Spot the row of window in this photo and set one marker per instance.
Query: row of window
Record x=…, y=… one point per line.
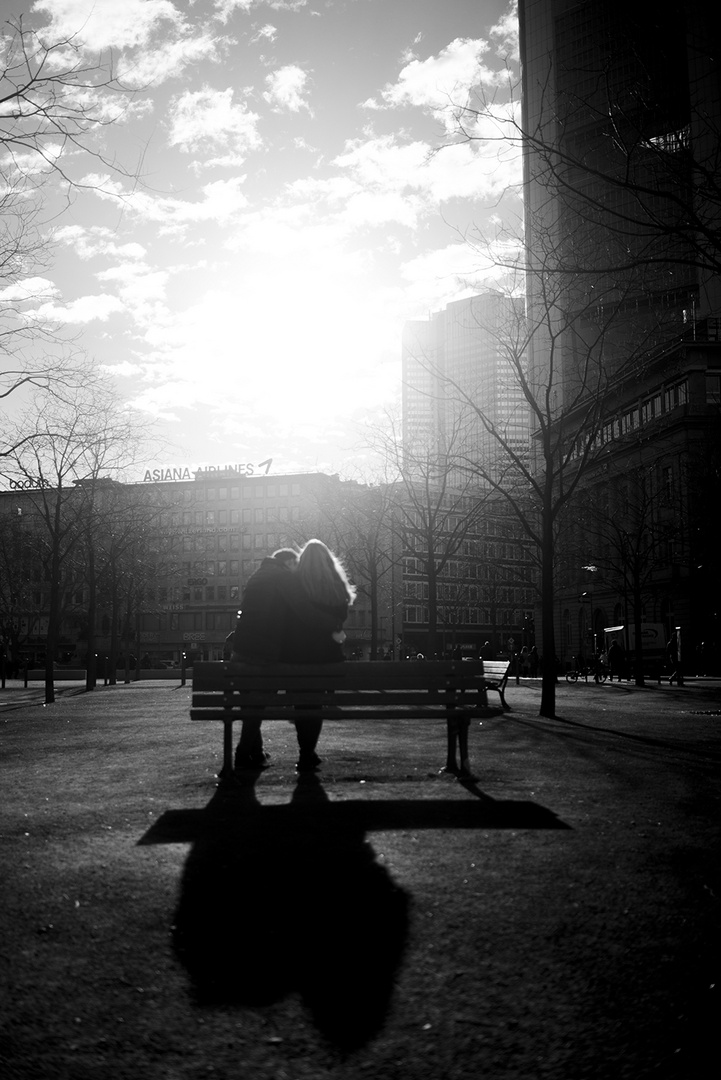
x=220, y=543
x=233, y=493
x=459, y=592
x=473, y=571
x=644, y=412
x=189, y=621
x=467, y=616
x=258, y=515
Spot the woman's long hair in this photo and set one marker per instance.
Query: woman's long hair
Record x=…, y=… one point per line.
x=323, y=576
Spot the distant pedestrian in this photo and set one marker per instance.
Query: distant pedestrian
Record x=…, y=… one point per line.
x=674, y=661
x=534, y=661
x=615, y=660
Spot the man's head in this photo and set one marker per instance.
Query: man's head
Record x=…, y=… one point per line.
x=287, y=558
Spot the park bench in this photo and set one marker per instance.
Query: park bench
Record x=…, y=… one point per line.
x=455, y=692
x=495, y=675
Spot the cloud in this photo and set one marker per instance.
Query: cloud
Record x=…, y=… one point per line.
x=105, y=24
x=481, y=168
x=221, y=202
x=285, y=89
x=264, y=33
x=225, y=8
x=33, y=288
x=152, y=37
x=442, y=80
x=141, y=290
x=96, y=241
x=504, y=34
x=85, y=309
x=152, y=66
x=211, y=118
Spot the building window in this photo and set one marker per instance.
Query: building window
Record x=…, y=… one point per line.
x=675, y=396
x=713, y=387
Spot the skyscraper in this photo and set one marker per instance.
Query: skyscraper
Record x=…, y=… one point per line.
x=460, y=382
x=622, y=125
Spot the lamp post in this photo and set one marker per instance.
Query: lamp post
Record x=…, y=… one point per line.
x=588, y=596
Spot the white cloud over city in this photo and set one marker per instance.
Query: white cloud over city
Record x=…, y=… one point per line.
x=301, y=191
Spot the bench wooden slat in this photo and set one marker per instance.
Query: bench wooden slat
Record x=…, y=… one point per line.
x=373, y=698
x=329, y=712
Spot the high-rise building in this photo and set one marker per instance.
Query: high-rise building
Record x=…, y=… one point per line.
x=459, y=382
x=622, y=134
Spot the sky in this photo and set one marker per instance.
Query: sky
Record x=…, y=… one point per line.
x=249, y=286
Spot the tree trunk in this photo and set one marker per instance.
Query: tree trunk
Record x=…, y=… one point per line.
x=90, y=660
x=548, y=681
x=638, y=626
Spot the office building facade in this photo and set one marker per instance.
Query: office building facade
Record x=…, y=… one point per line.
x=621, y=120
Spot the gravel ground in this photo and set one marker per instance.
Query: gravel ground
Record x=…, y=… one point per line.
x=558, y=918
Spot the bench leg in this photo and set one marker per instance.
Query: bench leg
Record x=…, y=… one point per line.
x=457, y=738
x=227, y=771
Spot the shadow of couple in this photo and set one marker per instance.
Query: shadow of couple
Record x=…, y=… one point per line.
x=288, y=899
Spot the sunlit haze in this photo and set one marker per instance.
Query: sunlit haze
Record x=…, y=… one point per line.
x=249, y=290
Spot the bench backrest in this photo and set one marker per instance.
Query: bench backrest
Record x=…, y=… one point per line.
x=374, y=675
x=496, y=669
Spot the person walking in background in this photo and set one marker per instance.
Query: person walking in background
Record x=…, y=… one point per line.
x=674, y=660
x=318, y=603
x=258, y=638
x=615, y=660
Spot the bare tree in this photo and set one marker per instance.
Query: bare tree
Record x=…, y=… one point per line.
x=358, y=520
x=62, y=450
x=555, y=357
x=434, y=508
x=54, y=106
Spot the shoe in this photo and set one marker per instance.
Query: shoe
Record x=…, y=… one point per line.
x=252, y=761
x=308, y=762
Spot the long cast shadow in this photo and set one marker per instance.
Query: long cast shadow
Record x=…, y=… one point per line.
x=274, y=903
x=290, y=898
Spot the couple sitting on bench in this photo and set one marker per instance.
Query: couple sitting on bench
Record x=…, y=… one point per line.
x=293, y=610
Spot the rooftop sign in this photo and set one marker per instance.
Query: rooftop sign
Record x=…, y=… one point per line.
x=185, y=472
